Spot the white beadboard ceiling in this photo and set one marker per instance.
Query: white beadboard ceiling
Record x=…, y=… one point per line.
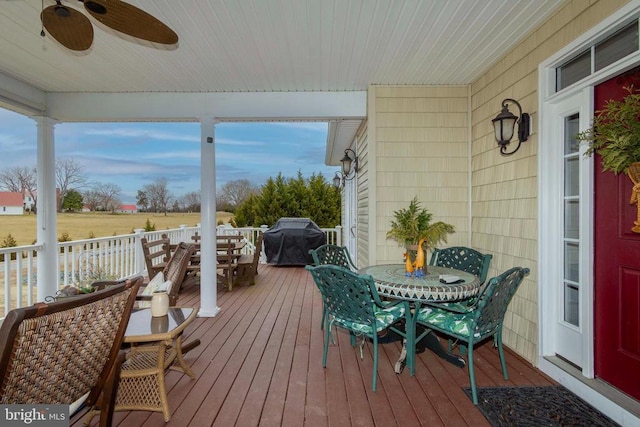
x=276, y=45
x=257, y=46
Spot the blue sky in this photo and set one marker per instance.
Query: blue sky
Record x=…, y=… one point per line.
x=132, y=155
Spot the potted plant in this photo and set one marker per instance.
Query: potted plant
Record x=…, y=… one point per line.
x=413, y=225
x=615, y=135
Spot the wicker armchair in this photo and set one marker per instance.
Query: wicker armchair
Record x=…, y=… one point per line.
x=352, y=303
x=333, y=255
x=56, y=353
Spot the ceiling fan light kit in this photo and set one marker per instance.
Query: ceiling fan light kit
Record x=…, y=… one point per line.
x=74, y=30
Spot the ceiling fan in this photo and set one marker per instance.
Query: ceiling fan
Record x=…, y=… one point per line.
x=74, y=31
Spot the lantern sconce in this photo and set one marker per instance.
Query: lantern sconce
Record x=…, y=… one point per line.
x=504, y=125
x=347, y=161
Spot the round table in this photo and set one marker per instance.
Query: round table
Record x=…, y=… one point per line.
x=391, y=281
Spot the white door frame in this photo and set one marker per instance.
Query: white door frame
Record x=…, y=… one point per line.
x=550, y=211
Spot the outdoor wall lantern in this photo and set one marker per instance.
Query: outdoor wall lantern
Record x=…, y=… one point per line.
x=347, y=161
x=504, y=125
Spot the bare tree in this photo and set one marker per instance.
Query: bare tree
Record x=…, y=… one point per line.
x=158, y=195
x=20, y=179
x=191, y=202
x=104, y=196
x=69, y=174
x=234, y=193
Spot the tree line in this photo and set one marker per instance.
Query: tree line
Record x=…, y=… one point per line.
x=279, y=197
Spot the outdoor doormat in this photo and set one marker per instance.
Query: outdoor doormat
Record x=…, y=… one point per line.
x=537, y=406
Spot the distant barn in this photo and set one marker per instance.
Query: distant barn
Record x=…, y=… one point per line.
x=11, y=203
x=127, y=209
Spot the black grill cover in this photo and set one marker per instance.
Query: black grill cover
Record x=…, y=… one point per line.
x=289, y=240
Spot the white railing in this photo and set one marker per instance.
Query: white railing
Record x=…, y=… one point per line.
x=85, y=261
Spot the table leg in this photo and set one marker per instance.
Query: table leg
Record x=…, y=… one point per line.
x=183, y=367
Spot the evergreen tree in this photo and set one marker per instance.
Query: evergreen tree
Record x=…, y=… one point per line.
x=314, y=198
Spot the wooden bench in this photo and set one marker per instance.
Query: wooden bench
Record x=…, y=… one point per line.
x=247, y=265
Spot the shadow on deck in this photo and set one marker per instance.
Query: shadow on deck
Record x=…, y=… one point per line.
x=260, y=364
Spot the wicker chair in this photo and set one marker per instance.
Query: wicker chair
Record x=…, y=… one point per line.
x=56, y=353
x=475, y=326
x=333, y=255
x=352, y=303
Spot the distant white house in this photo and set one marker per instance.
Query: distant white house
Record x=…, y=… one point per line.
x=28, y=202
x=127, y=209
x=11, y=203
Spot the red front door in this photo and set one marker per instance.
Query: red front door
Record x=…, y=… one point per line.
x=616, y=267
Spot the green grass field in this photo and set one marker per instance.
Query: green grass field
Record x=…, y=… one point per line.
x=96, y=224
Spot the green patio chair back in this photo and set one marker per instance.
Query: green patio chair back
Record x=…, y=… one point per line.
x=463, y=258
x=333, y=255
x=475, y=326
x=352, y=303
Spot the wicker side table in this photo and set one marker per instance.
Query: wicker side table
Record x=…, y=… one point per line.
x=156, y=345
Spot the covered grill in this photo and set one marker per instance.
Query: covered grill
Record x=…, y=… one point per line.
x=289, y=240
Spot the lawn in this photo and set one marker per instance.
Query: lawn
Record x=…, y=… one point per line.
x=86, y=225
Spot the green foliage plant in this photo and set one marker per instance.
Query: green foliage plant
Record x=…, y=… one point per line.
x=8, y=242
x=412, y=224
x=615, y=133
x=148, y=226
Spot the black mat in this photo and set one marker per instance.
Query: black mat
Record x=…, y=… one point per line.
x=537, y=406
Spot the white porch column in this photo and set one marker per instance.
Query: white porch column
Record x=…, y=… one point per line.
x=208, y=282
x=47, y=261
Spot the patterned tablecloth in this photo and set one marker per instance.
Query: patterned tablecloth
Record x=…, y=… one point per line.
x=392, y=281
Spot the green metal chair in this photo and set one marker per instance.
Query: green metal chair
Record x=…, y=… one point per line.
x=475, y=326
x=333, y=255
x=352, y=303
x=465, y=259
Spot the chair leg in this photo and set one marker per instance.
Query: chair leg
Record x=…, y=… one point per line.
x=503, y=362
x=472, y=376
x=327, y=337
x=324, y=316
x=375, y=361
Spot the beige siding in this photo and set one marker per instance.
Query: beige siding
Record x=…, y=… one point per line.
x=436, y=143
x=362, y=141
x=422, y=149
x=504, y=189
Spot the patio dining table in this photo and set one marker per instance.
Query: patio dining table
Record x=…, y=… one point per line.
x=393, y=282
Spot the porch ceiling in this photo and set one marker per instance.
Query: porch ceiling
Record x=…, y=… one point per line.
x=252, y=47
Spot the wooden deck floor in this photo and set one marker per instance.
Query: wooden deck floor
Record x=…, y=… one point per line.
x=260, y=364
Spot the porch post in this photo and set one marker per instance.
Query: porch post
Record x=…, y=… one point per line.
x=47, y=260
x=208, y=282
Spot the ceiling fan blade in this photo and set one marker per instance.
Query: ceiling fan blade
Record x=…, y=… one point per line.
x=68, y=26
x=130, y=20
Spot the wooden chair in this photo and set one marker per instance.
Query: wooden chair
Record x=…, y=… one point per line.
x=333, y=255
x=175, y=271
x=156, y=254
x=353, y=304
x=247, y=265
x=75, y=345
x=477, y=325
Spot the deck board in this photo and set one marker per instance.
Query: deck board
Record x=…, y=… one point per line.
x=260, y=363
